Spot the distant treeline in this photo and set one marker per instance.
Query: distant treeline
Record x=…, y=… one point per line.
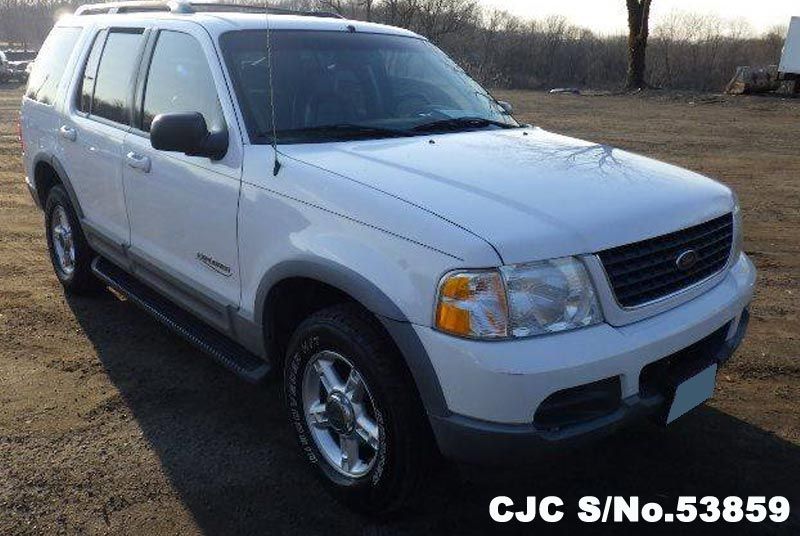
x=686, y=51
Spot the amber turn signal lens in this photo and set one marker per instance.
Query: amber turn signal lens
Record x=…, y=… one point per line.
x=473, y=304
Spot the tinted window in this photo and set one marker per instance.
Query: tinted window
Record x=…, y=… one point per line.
x=180, y=81
x=51, y=63
x=373, y=84
x=90, y=73
x=112, y=89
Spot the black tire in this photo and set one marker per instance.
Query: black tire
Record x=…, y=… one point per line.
x=80, y=280
x=406, y=450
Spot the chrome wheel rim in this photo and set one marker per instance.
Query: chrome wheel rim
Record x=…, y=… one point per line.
x=341, y=414
x=63, y=244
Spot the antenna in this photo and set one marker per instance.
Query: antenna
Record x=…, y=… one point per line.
x=277, y=167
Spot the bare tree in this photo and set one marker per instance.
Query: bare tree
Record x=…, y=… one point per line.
x=638, y=32
x=368, y=5
x=685, y=51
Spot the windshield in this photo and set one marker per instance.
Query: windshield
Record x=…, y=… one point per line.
x=332, y=86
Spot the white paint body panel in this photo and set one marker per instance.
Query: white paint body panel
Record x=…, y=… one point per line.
x=790, y=59
x=96, y=156
x=532, y=194
x=308, y=213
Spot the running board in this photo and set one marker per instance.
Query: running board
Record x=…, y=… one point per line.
x=221, y=348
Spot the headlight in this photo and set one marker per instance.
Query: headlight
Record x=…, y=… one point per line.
x=518, y=301
x=550, y=296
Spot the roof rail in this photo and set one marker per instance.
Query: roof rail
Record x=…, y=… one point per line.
x=188, y=7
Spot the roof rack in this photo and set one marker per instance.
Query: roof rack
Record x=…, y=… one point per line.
x=189, y=7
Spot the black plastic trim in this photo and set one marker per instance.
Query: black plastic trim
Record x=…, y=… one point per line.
x=419, y=363
x=470, y=440
x=221, y=348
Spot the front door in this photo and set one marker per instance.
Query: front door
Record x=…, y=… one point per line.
x=183, y=209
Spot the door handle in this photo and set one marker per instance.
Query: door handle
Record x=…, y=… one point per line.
x=68, y=133
x=137, y=161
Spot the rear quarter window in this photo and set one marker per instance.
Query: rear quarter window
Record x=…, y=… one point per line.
x=48, y=70
x=86, y=90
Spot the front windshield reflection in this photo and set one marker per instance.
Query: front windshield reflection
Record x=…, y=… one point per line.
x=341, y=85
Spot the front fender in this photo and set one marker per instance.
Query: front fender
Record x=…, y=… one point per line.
x=373, y=298
x=331, y=273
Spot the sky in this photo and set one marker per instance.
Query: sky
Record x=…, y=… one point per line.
x=609, y=16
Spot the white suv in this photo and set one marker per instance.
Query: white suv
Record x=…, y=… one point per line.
x=340, y=201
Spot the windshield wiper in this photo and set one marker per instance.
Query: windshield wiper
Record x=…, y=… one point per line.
x=460, y=123
x=343, y=130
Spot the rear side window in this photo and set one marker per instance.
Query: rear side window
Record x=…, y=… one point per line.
x=90, y=73
x=113, y=83
x=180, y=80
x=51, y=63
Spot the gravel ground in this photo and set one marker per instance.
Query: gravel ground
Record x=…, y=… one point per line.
x=111, y=425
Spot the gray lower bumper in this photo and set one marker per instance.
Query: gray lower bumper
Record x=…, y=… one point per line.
x=473, y=441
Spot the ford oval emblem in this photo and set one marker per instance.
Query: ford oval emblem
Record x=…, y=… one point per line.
x=687, y=260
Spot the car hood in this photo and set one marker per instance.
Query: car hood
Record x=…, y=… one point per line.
x=530, y=193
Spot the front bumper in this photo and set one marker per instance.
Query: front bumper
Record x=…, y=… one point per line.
x=492, y=390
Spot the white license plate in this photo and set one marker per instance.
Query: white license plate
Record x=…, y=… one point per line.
x=693, y=392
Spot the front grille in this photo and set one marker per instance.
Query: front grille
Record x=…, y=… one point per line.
x=645, y=271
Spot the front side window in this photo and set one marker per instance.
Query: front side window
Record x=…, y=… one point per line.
x=330, y=86
x=51, y=63
x=180, y=80
x=115, y=75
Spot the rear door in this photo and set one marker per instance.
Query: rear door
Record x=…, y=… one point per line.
x=182, y=208
x=94, y=129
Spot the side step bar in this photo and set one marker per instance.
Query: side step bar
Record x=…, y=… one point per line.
x=222, y=349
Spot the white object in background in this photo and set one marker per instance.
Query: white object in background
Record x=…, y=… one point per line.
x=790, y=60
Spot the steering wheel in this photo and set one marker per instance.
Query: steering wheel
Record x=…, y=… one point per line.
x=412, y=104
x=431, y=110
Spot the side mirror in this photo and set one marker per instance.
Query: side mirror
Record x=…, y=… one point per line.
x=187, y=133
x=507, y=107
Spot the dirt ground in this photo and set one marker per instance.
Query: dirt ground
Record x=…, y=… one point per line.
x=110, y=424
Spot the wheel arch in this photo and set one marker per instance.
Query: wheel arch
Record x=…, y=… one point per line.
x=48, y=172
x=337, y=276
x=331, y=283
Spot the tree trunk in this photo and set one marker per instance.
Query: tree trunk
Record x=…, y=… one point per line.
x=638, y=32
x=368, y=9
